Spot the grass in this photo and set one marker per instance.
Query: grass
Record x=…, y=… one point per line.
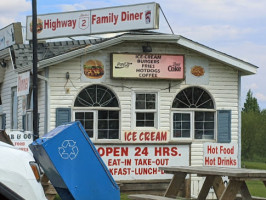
x=123, y=197
x=256, y=188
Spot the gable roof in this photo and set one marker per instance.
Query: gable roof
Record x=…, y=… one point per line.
x=56, y=52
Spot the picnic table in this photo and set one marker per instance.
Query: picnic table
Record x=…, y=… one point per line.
x=237, y=182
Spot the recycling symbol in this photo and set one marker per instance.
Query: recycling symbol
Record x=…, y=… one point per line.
x=68, y=150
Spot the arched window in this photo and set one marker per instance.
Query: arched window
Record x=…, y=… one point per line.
x=193, y=112
x=97, y=108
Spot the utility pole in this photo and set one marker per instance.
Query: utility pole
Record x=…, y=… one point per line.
x=35, y=71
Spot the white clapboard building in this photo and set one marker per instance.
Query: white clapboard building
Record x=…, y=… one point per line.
x=145, y=99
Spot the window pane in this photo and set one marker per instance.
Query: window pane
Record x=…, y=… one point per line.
x=88, y=115
x=177, y=133
x=199, y=116
x=149, y=124
x=177, y=125
x=182, y=125
x=186, y=125
x=198, y=134
x=209, y=134
x=140, y=97
x=149, y=116
x=102, y=124
x=103, y=114
x=102, y=134
x=186, y=133
x=79, y=115
x=113, y=124
x=193, y=97
x=209, y=125
x=140, y=104
x=177, y=116
x=140, y=116
x=88, y=124
x=90, y=133
x=150, y=97
x=113, y=134
x=198, y=125
x=82, y=123
x=114, y=114
x=140, y=123
x=209, y=116
x=150, y=105
x=185, y=117
x=87, y=97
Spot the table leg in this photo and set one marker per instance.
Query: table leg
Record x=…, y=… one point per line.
x=244, y=192
x=206, y=187
x=175, y=185
x=231, y=190
x=218, y=186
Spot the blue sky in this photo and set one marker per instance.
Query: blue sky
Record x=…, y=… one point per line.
x=237, y=28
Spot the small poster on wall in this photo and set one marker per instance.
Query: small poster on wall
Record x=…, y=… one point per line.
x=93, y=69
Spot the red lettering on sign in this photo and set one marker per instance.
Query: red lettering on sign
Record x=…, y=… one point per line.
x=166, y=151
x=113, y=151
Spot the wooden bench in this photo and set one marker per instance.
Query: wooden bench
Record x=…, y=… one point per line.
x=153, y=197
x=150, y=197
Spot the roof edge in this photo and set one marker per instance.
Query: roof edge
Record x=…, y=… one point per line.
x=245, y=67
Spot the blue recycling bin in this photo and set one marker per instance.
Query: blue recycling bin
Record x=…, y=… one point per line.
x=73, y=165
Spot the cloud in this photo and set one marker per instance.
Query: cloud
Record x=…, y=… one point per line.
x=12, y=11
x=13, y=6
x=260, y=96
x=72, y=7
x=213, y=32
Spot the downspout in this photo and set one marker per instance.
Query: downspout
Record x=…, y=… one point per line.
x=46, y=101
x=239, y=120
x=45, y=78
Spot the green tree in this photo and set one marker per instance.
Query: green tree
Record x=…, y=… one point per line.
x=251, y=104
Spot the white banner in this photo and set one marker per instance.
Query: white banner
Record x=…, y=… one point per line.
x=142, y=162
x=10, y=35
x=113, y=19
x=23, y=84
x=221, y=155
x=22, y=140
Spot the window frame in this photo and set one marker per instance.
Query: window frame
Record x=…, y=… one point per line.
x=193, y=109
x=95, y=110
x=135, y=111
x=192, y=125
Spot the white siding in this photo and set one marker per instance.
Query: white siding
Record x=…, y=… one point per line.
x=223, y=86
x=10, y=81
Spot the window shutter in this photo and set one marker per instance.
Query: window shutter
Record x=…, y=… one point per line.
x=3, y=121
x=224, y=126
x=63, y=115
x=24, y=122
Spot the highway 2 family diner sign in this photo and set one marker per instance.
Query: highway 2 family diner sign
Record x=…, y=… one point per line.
x=148, y=66
x=86, y=22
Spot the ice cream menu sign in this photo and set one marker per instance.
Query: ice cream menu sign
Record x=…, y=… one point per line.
x=148, y=66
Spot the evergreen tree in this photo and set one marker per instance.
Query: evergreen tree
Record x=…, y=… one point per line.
x=251, y=104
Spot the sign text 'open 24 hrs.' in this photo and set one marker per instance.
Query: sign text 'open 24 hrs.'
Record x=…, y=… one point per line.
x=113, y=19
x=148, y=66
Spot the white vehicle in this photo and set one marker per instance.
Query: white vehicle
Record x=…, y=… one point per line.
x=19, y=175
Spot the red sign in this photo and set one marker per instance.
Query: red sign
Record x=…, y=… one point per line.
x=140, y=162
